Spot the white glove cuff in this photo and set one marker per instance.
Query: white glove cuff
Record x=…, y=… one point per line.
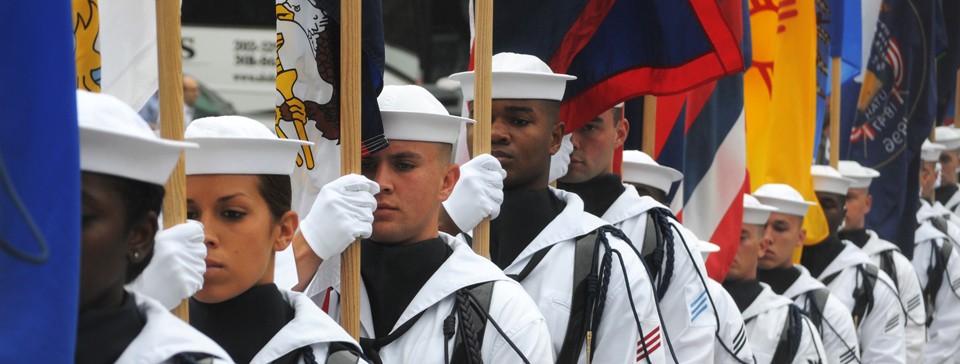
x=461, y=214
x=318, y=241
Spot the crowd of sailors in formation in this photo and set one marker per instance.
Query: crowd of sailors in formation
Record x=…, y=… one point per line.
x=594, y=270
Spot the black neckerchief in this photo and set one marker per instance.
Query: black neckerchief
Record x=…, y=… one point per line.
x=103, y=335
x=523, y=215
x=945, y=192
x=743, y=292
x=243, y=325
x=393, y=274
x=779, y=279
x=817, y=257
x=858, y=236
x=598, y=193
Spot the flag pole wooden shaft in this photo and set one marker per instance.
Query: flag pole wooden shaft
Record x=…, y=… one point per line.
x=835, y=112
x=483, y=54
x=649, y=125
x=170, y=72
x=350, y=80
x=956, y=103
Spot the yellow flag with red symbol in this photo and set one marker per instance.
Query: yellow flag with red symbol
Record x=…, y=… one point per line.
x=780, y=101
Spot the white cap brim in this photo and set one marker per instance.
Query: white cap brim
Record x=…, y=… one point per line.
x=124, y=155
x=830, y=184
x=517, y=85
x=243, y=156
x=659, y=177
x=422, y=127
x=789, y=207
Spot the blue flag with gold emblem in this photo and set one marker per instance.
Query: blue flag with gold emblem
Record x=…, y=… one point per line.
x=39, y=186
x=895, y=111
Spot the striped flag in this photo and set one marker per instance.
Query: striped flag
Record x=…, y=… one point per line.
x=702, y=134
x=710, y=132
x=39, y=186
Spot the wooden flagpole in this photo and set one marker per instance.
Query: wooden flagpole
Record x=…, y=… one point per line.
x=649, y=141
x=834, y=112
x=170, y=72
x=483, y=55
x=956, y=102
x=350, y=96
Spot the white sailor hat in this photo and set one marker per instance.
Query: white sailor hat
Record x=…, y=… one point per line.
x=638, y=167
x=238, y=145
x=518, y=76
x=860, y=175
x=115, y=140
x=783, y=197
x=930, y=152
x=706, y=248
x=412, y=113
x=754, y=212
x=826, y=179
x=948, y=137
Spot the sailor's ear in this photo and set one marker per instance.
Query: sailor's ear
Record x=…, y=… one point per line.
x=451, y=175
x=288, y=228
x=556, y=135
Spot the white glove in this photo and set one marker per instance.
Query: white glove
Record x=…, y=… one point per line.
x=342, y=212
x=478, y=193
x=176, y=270
x=560, y=162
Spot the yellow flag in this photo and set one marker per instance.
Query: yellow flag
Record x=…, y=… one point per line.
x=86, y=31
x=780, y=101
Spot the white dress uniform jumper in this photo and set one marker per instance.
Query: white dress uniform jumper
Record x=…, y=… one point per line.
x=731, y=345
x=778, y=331
x=828, y=314
x=686, y=304
x=165, y=336
x=887, y=256
x=424, y=341
x=937, y=263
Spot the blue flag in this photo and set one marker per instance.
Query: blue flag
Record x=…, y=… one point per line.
x=895, y=111
x=838, y=36
x=40, y=179
x=620, y=50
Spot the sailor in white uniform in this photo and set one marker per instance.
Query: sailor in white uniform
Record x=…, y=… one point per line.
x=426, y=296
x=785, y=234
x=937, y=263
x=238, y=187
x=536, y=235
x=680, y=276
x=731, y=343
x=850, y=275
x=123, y=168
x=884, y=254
x=949, y=159
x=778, y=330
x=930, y=208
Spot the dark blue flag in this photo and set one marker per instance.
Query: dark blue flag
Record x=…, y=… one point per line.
x=838, y=36
x=620, y=50
x=895, y=111
x=39, y=186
